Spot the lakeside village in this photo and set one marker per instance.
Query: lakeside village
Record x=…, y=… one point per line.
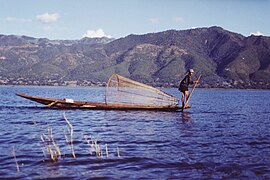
x=48, y=82
x=85, y=83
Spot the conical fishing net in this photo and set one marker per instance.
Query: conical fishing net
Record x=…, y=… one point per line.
x=121, y=90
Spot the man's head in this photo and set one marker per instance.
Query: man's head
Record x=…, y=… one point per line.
x=191, y=71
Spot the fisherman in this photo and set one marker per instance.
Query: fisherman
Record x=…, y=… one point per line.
x=183, y=87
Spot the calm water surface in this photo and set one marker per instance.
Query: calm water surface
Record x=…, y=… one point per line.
x=225, y=135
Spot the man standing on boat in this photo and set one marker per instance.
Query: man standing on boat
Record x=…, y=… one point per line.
x=183, y=87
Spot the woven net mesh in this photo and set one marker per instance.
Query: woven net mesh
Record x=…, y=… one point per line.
x=121, y=90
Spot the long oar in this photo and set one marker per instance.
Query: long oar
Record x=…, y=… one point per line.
x=192, y=91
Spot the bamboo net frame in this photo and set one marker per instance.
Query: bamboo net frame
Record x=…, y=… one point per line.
x=121, y=90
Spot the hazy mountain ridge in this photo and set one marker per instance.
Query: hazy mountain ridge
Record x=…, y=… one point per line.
x=225, y=59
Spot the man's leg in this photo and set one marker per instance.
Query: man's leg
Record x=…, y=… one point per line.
x=183, y=99
x=186, y=94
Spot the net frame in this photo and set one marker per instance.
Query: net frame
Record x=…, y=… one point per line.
x=124, y=91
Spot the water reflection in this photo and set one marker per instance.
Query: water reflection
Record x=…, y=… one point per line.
x=186, y=118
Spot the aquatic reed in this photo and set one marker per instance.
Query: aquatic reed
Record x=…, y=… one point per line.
x=49, y=143
x=93, y=146
x=16, y=162
x=53, y=149
x=58, y=153
x=118, y=152
x=107, y=152
x=88, y=142
x=71, y=135
x=46, y=141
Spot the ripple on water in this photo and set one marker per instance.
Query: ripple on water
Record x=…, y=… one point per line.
x=225, y=136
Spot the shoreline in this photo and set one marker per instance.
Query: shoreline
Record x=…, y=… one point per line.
x=78, y=86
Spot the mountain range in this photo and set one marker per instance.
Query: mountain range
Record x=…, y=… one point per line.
x=225, y=59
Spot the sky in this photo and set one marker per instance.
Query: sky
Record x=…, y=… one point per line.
x=75, y=19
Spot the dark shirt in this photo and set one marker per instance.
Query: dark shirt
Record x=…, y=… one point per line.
x=186, y=81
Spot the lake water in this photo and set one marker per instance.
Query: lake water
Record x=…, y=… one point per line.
x=226, y=134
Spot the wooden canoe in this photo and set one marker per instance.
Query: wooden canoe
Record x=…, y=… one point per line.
x=70, y=104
